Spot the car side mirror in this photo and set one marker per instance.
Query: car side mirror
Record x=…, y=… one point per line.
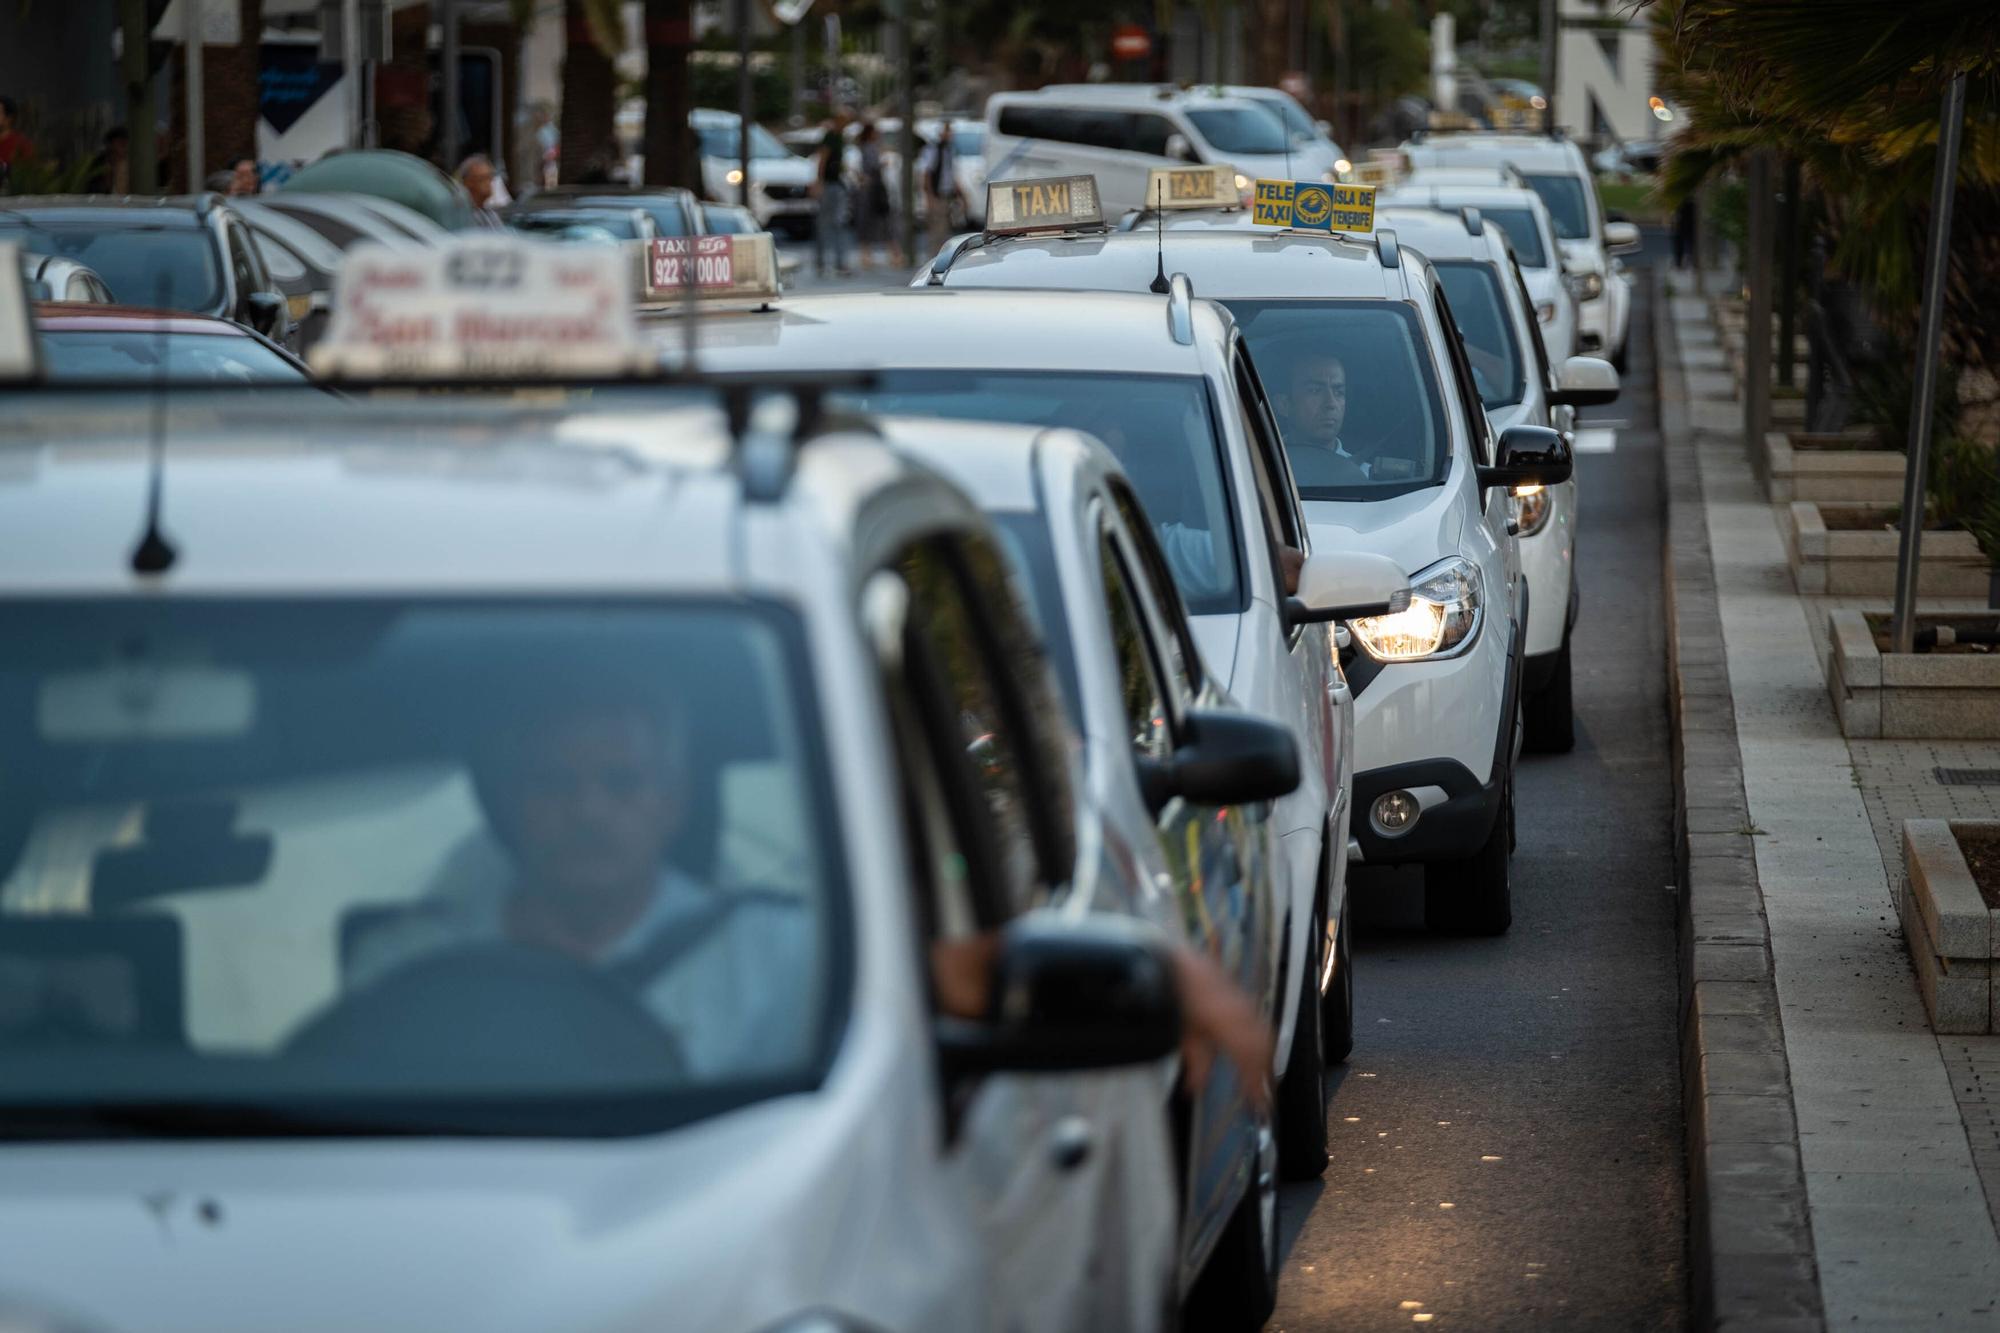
x=1179, y=149
x=1621, y=238
x=1584, y=381
x=1528, y=456
x=1347, y=585
x=1225, y=757
x=1090, y=993
x=267, y=313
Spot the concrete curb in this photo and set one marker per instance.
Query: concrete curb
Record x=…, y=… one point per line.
x=1750, y=1247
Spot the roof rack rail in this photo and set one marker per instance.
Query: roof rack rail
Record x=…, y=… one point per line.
x=949, y=256
x=1180, y=309
x=1387, y=248
x=1474, y=223
x=767, y=443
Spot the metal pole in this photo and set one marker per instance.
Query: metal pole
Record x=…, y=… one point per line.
x=799, y=72
x=1757, y=331
x=1929, y=332
x=1788, y=272
x=906, y=138
x=745, y=110
x=1550, y=35
x=197, y=148
x=350, y=59
x=448, y=16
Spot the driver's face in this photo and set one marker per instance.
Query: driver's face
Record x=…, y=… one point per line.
x=1319, y=400
x=593, y=807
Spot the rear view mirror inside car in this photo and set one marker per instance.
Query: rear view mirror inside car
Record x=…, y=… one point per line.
x=145, y=701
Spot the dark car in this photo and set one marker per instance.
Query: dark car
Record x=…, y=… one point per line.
x=108, y=343
x=675, y=212
x=190, y=253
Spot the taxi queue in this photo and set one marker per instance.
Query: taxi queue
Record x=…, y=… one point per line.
x=758, y=813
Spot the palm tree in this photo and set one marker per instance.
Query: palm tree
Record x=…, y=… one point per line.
x=589, y=87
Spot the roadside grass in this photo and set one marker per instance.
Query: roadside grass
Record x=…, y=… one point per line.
x=1635, y=199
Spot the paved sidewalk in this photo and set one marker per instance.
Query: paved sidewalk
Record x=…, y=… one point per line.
x=1893, y=1124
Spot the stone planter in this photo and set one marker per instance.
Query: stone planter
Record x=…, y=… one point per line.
x=1953, y=937
x=1841, y=561
x=1925, y=696
x=1850, y=467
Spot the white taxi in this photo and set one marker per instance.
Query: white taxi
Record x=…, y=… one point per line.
x=1164, y=382
x=513, y=867
x=1406, y=466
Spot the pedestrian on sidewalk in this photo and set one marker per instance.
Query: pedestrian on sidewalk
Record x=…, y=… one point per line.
x=940, y=185
x=1686, y=246
x=830, y=188
x=873, y=216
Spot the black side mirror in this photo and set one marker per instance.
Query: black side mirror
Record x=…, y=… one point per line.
x=267, y=314
x=1227, y=757
x=1095, y=993
x=1528, y=456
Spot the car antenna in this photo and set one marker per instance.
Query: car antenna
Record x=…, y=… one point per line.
x=691, y=305
x=1160, y=284
x=155, y=554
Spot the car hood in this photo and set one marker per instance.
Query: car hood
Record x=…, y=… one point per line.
x=1581, y=256
x=714, y=1227
x=1415, y=530
x=1215, y=639
x=785, y=170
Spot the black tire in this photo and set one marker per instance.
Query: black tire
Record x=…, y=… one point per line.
x=1551, y=720
x=1475, y=896
x=1238, y=1288
x=1623, y=359
x=1302, y=1092
x=1336, y=1022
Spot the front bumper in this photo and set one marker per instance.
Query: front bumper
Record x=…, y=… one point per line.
x=1452, y=827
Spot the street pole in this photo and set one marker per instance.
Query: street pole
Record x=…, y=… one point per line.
x=798, y=72
x=351, y=76
x=197, y=149
x=906, y=138
x=1757, y=333
x=135, y=69
x=448, y=16
x=744, y=107
x=1788, y=272
x=1930, y=331
x=1549, y=38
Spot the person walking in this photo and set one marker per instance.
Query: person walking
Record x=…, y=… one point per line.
x=941, y=200
x=873, y=215
x=244, y=178
x=830, y=188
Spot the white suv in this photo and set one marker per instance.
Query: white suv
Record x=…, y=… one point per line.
x=1408, y=468
x=1556, y=170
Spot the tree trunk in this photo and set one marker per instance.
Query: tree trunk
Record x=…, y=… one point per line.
x=229, y=76
x=135, y=69
x=669, y=95
x=589, y=101
x=1270, y=40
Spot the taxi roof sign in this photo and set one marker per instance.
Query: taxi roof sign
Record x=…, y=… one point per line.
x=1052, y=203
x=1312, y=206
x=483, y=307
x=710, y=268
x=19, y=349
x=1192, y=187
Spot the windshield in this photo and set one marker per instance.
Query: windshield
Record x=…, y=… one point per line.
x=1297, y=123
x=1473, y=289
x=408, y=867
x=608, y=225
x=1241, y=129
x=1385, y=437
x=139, y=354
x=968, y=140
x=167, y=266
x=1025, y=534
x=1159, y=426
x=1519, y=224
x=1567, y=207
x=718, y=139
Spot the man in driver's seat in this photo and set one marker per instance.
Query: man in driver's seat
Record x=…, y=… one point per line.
x=584, y=801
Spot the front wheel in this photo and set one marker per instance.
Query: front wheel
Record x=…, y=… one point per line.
x=1475, y=896
x=1238, y=1288
x=1551, y=713
x=1302, y=1093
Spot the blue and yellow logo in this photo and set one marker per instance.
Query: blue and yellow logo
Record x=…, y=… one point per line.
x=1312, y=206
x=1307, y=206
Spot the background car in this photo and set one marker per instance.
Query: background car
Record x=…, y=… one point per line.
x=53, y=278
x=781, y=181
x=302, y=261
x=673, y=211
x=346, y=219
x=106, y=344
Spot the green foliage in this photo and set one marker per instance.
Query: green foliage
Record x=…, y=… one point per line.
x=41, y=175
x=1961, y=488
x=770, y=87
x=1886, y=394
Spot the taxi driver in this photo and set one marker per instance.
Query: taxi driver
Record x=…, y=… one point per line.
x=1312, y=410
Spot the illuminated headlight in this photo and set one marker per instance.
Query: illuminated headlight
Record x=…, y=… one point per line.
x=1546, y=312
x=735, y=176
x=1532, y=508
x=1587, y=286
x=1343, y=169
x=1441, y=621
x=1243, y=182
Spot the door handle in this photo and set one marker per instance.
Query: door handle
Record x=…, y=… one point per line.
x=1070, y=1143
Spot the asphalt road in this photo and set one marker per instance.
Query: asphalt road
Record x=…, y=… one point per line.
x=1506, y=1138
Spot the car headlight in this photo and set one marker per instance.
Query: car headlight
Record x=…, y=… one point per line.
x=1546, y=312
x=1343, y=168
x=1587, y=286
x=1442, y=618
x=735, y=176
x=1243, y=182
x=1532, y=508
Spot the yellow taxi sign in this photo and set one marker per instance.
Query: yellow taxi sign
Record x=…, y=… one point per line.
x=1312, y=206
x=1053, y=203
x=736, y=267
x=1192, y=187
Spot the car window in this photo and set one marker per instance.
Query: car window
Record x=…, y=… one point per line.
x=1162, y=428
x=1155, y=583
x=1024, y=534
x=171, y=265
x=1540, y=348
x=239, y=264
x=1274, y=477
x=445, y=867
x=1465, y=381
x=1241, y=129
x=1355, y=394
x=1091, y=127
x=1149, y=133
x=1568, y=207
x=1488, y=330
x=1141, y=693
x=183, y=358
x=1523, y=231
x=284, y=266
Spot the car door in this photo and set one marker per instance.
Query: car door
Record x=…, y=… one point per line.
x=1033, y=1157
x=1217, y=858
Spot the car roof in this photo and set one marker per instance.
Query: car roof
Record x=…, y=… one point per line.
x=360, y=498
x=1254, y=262
x=1524, y=150
x=77, y=317
x=1141, y=95
x=171, y=210
x=1425, y=192
x=939, y=328
x=615, y=196
x=1440, y=235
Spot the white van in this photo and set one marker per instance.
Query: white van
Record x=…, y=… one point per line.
x=1120, y=133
